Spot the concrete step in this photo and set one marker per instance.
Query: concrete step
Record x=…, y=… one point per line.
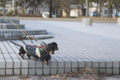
x=10, y=34
x=5, y=20
x=63, y=61
x=11, y=26
x=43, y=36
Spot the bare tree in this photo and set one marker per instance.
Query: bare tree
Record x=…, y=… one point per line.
x=57, y=7
x=81, y=5
x=34, y=5
x=99, y=5
x=117, y=6
x=21, y=3
x=3, y=4
x=67, y=6
x=101, y=2
x=110, y=3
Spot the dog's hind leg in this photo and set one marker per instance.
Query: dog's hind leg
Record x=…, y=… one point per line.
x=22, y=56
x=28, y=56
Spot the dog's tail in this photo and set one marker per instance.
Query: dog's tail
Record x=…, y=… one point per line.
x=15, y=44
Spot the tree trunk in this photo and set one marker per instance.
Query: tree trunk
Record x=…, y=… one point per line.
x=97, y=9
x=50, y=10
x=34, y=11
x=78, y=12
x=18, y=9
x=87, y=8
x=100, y=10
x=4, y=6
x=60, y=12
x=82, y=10
x=24, y=8
x=4, y=9
x=69, y=12
x=78, y=8
x=117, y=10
x=108, y=9
x=56, y=12
x=111, y=12
x=108, y=12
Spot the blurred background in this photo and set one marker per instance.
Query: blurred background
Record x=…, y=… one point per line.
x=61, y=8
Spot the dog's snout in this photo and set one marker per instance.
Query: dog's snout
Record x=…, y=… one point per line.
x=56, y=48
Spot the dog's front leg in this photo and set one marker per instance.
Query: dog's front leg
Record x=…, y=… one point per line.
x=28, y=56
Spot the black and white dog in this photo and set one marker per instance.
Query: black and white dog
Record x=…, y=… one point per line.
x=42, y=52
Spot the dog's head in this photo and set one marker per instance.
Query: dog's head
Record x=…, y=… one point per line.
x=51, y=47
x=54, y=45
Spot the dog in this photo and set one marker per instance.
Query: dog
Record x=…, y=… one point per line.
x=43, y=52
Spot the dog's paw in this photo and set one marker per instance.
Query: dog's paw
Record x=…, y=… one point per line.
x=22, y=57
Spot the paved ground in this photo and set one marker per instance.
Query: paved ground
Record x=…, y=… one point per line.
x=102, y=38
